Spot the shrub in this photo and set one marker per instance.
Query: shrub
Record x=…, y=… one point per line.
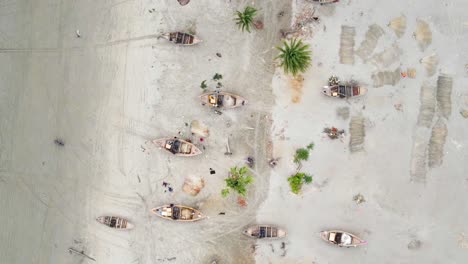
x=238, y=181
x=296, y=181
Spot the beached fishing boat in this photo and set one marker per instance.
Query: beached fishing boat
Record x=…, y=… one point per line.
x=222, y=100
x=181, y=38
x=178, y=146
x=115, y=222
x=180, y=213
x=342, y=238
x=344, y=91
x=264, y=231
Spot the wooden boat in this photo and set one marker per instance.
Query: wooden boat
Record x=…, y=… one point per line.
x=342, y=238
x=180, y=213
x=178, y=146
x=344, y=91
x=264, y=231
x=181, y=38
x=222, y=100
x=115, y=222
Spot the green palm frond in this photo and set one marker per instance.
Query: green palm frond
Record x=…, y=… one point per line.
x=295, y=57
x=245, y=19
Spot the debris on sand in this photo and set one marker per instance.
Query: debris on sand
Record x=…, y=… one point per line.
x=387, y=57
x=183, y=2
x=437, y=143
x=199, y=129
x=423, y=34
x=250, y=162
x=386, y=77
x=357, y=132
x=273, y=162
x=302, y=26
x=398, y=106
x=427, y=108
x=414, y=244
x=193, y=185
x=59, y=142
x=347, y=45
x=444, y=95
x=430, y=63
x=258, y=24
x=464, y=113
x=333, y=80
x=359, y=198
x=241, y=201
x=333, y=132
x=343, y=112
x=369, y=43
x=398, y=25
x=411, y=73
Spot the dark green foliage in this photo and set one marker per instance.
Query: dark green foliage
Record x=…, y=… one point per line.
x=245, y=19
x=296, y=181
x=301, y=154
x=294, y=57
x=203, y=85
x=217, y=77
x=238, y=181
x=310, y=146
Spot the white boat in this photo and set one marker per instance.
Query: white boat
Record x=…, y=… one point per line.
x=342, y=238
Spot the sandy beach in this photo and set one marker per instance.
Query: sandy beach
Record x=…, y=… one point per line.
x=95, y=75
x=415, y=197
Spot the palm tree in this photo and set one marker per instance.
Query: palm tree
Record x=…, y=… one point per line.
x=295, y=56
x=238, y=181
x=245, y=19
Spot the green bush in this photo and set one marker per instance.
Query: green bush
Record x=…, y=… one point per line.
x=296, y=181
x=301, y=154
x=238, y=181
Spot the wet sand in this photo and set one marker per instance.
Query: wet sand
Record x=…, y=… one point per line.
x=106, y=94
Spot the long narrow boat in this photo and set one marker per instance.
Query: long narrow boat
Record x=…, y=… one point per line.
x=342, y=238
x=222, y=100
x=115, y=222
x=178, y=146
x=180, y=213
x=181, y=38
x=264, y=231
x=344, y=91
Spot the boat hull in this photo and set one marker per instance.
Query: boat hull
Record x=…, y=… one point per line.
x=195, y=40
x=163, y=143
x=224, y=103
x=330, y=91
x=269, y=232
x=184, y=213
x=355, y=240
x=115, y=222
